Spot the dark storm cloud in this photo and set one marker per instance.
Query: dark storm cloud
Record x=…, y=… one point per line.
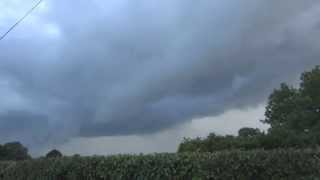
x=135, y=67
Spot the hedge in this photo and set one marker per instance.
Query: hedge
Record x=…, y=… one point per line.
x=246, y=165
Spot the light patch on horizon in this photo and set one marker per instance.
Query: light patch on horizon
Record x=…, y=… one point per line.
x=231, y=121
x=168, y=140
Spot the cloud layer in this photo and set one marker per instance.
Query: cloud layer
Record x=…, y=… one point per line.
x=120, y=67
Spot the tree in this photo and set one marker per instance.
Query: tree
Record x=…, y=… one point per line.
x=14, y=151
x=191, y=145
x=310, y=90
x=295, y=112
x=280, y=104
x=217, y=143
x=54, y=154
x=249, y=132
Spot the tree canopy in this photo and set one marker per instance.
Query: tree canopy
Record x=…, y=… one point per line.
x=296, y=110
x=54, y=154
x=249, y=132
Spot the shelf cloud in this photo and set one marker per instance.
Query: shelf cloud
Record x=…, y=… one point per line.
x=120, y=67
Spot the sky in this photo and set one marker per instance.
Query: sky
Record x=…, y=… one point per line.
x=121, y=76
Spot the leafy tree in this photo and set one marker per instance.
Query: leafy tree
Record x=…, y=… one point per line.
x=296, y=110
x=14, y=151
x=279, y=106
x=54, y=154
x=217, y=143
x=191, y=145
x=310, y=85
x=310, y=90
x=249, y=132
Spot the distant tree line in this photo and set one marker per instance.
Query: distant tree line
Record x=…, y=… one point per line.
x=15, y=151
x=292, y=113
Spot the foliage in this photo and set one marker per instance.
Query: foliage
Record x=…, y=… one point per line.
x=13, y=151
x=259, y=164
x=214, y=143
x=249, y=132
x=275, y=140
x=296, y=110
x=54, y=154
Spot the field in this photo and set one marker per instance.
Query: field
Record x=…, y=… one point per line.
x=246, y=165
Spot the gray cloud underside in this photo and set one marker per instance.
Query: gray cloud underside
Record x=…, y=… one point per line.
x=136, y=67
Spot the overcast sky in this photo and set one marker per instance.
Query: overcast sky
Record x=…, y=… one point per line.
x=123, y=76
